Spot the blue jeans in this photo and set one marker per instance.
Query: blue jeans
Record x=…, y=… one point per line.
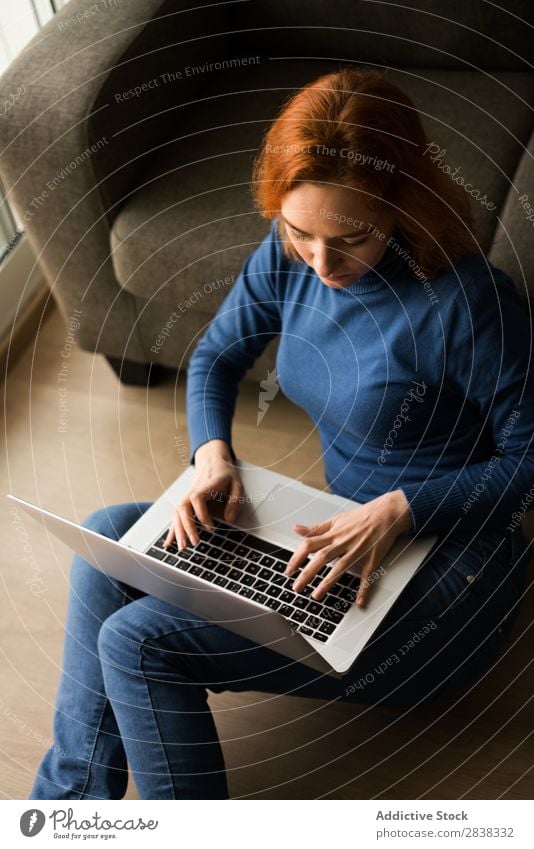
x=136, y=670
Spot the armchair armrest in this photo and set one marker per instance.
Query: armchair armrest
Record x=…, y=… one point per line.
x=50, y=154
x=60, y=73
x=511, y=249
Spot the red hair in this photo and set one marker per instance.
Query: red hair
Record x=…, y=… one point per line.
x=373, y=121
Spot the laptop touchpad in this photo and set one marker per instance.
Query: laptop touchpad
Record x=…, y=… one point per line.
x=283, y=507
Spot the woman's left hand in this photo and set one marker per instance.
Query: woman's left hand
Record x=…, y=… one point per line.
x=361, y=537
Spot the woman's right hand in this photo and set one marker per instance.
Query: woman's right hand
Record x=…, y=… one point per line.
x=216, y=477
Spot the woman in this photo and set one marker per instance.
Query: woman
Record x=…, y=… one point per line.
x=409, y=352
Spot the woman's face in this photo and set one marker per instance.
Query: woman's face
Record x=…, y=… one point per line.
x=334, y=231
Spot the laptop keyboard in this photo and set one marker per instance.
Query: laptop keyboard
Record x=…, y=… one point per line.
x=254, y=568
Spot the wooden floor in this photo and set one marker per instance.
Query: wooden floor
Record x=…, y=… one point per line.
x=121, y=444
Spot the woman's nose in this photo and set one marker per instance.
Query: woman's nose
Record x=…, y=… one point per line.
x=326, y=260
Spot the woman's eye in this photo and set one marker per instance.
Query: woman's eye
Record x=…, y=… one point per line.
x=302, y=237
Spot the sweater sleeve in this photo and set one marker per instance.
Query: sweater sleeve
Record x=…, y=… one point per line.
x=488, y=359
x=244, y=324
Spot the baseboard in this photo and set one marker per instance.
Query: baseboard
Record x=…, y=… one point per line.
x=18, y=338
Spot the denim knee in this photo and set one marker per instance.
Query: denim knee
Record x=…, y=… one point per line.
x=141, y=626
x=114, y=520
x=119, y=644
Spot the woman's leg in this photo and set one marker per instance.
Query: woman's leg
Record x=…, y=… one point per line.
x=158, y=662
x=449, y=625
x=87, y=760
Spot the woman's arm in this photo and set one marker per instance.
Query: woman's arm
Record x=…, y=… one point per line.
x=215, y=449
x=489, y=360
x=216, y=475
x=246, y=321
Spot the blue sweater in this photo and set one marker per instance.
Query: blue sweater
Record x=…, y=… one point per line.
x=412, y=385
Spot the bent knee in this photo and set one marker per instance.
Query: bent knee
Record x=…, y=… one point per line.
x=117, y=640
x=139, y=625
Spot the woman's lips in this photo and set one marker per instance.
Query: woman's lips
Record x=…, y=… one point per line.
x=338, y=279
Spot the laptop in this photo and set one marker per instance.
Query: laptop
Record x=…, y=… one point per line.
x=234, y=576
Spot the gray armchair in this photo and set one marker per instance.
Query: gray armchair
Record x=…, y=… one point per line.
x=129, y=155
